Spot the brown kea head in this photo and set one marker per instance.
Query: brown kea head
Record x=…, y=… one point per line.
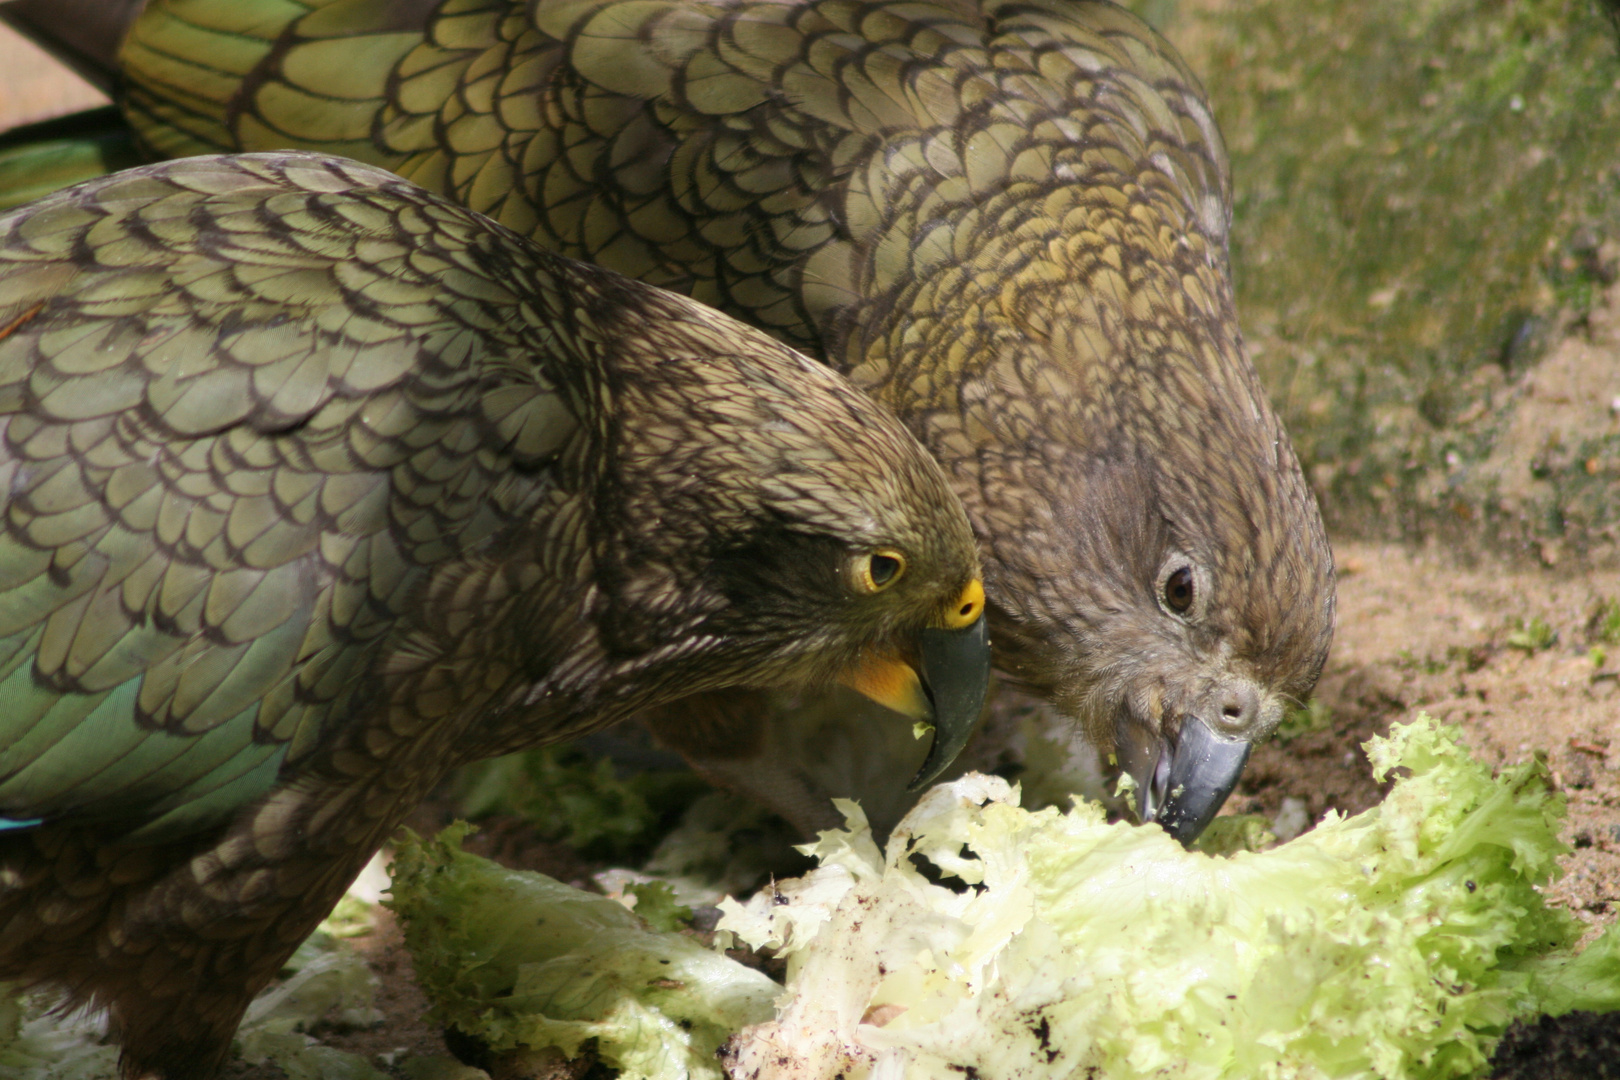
x=1175, y=595
x=1155, y=561
x=1040, y=288
x=759, y=522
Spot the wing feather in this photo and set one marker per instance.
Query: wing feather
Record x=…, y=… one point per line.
x=768, y=158
x=250, y=424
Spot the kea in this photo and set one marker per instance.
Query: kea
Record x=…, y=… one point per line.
x=1005, y=220
x=318, y=486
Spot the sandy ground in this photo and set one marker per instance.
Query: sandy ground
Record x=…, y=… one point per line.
x=1418, y=630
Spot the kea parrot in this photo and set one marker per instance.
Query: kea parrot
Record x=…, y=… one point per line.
x=1005, y=220
x=318, y=485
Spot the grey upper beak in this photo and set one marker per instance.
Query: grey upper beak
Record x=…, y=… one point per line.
x=1186, y=789
x=955, y=675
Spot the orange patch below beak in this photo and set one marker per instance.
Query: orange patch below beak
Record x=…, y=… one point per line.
x=946, y=684
x=892, y=683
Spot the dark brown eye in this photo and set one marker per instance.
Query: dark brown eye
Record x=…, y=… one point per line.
x=880, y=569
x=1178, y=590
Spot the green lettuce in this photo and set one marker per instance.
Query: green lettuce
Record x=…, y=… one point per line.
x=517, y=958
x=997, y=942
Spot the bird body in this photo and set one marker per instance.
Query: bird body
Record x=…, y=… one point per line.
x=1005, y=220
x=318, y=486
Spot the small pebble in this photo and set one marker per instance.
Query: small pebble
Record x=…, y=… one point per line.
x=1293, y=818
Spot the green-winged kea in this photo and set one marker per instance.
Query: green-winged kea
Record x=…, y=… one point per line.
x=317, y=485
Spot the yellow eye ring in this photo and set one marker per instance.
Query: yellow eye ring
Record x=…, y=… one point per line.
x=879, y=569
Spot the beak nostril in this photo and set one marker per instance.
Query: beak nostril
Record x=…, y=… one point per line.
x=1239, y=705
x=968, y=608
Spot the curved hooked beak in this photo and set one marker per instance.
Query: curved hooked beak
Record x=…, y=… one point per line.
x=1182, y=788
x=946, y=685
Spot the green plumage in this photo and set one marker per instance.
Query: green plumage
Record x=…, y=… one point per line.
x=774, y=160
x=318, y=486
x=38, y=159
x=1006, y=221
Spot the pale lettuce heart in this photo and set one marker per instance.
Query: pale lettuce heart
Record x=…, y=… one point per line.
x=1396, y=943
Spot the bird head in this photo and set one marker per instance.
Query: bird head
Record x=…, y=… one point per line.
x=761, y=523
x=1155, y=562
x=1168, y=582
x=1204, y=614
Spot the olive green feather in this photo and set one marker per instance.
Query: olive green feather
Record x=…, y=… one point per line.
x=1005, y=220
x=38, y=159
x=763, y=157
x=317, y=485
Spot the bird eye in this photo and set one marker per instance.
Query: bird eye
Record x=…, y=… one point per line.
x=1178, y=590
x=880, y=569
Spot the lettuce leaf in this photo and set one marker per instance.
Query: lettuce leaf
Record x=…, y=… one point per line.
x=517, y=958
x=997, y=942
